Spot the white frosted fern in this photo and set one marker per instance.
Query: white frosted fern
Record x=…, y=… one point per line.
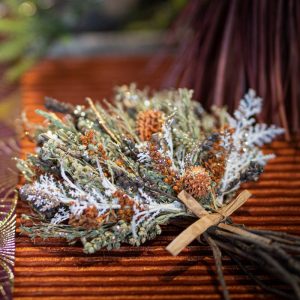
x=249, y=106
x=261, y=134
x=61, y=215
x=241, y=146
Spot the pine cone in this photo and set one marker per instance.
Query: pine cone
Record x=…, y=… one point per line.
x=196, y=181
x=149, y=122
x=88, y=220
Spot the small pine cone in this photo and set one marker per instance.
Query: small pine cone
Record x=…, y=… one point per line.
x=216, y=166
x=88, y=220
x=149, y=122
x=196, y=181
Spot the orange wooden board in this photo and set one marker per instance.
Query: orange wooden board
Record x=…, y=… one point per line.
x=54, y=270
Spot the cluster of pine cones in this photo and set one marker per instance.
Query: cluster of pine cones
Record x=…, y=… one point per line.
x=196, y=180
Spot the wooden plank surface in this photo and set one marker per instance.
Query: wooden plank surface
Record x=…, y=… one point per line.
x=53, y=270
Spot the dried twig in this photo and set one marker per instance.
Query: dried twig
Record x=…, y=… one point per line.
x=270, y=256
x=256, y=279
x=101, y=121
x=218, y=261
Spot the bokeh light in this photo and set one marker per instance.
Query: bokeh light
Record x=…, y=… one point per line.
x=27, y=8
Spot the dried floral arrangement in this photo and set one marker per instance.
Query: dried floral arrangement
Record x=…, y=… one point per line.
x=115, y=173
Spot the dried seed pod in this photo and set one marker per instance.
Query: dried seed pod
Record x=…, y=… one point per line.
x=88, y=138
x=214, y=155
x=216, y=166
x=102, y=151
x=196, y=181
x=126, y=211
x=89, y=219
x=148, y=123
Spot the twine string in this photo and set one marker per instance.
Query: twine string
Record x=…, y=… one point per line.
x=205, y=221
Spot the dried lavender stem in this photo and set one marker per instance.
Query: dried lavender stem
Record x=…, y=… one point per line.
x=58, y=106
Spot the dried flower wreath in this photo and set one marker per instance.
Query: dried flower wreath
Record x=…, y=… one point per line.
x=114, y=175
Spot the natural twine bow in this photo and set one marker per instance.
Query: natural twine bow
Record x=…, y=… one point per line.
x=206, y=220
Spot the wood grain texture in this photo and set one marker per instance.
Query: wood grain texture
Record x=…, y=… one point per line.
x=53, y=270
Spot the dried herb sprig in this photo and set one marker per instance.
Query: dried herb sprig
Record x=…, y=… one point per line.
x=112, y=176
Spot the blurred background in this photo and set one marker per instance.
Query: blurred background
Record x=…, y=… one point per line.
x=72, y=49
